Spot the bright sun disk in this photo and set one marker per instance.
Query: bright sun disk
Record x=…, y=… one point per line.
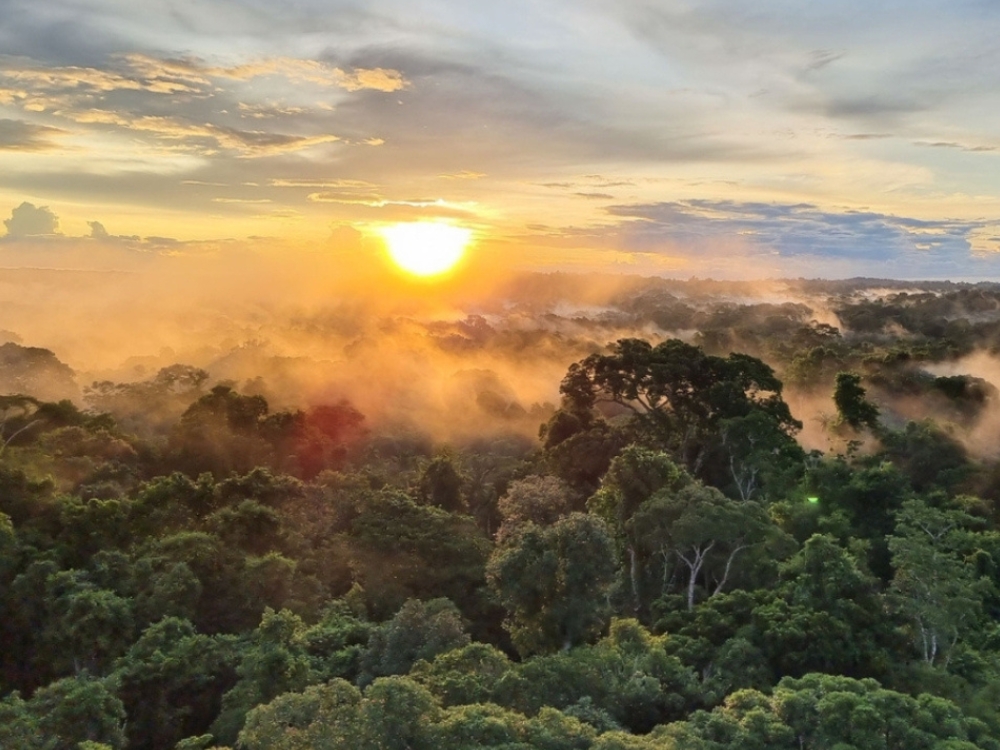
x=426, y=248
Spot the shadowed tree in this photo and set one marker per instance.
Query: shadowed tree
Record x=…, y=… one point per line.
x=441, y=485
x=852, y=406
x=553, y=581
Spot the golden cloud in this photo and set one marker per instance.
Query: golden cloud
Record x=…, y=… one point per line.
x=247, y=142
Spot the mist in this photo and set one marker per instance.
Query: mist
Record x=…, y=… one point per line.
x=480, y=352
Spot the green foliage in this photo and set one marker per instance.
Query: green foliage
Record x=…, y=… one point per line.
x=701, y=532
x=322, y=716
x=542, y=500
x=420, y=630
x=337, y=643
x=579, y=447
x=275, y=661
x=171, y=682
x=821, y=710
x=929, y=457
x=441, y=485
x=852, y=406
x=77, y=709
x=553, y=581
x=634, y=476
x=827, y=616
x=474, y=673
x=938, y=590
x=403, y=550
x=860, y=502
x=702, y=602
x=680, y=396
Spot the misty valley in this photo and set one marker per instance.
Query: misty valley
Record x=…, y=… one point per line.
x=550, y=510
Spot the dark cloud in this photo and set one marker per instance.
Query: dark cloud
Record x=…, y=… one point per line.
x=85, y=33
x=18, y=135
x=879, y=106
x=864, y=136
x=822, y=57
x=702, y=228
x=28, y=220
x=958, y=146
x=65, y=34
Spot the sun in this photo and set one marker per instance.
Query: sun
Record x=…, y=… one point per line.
x=426, y=248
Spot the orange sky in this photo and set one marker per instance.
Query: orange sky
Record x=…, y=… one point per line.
x=708, y=138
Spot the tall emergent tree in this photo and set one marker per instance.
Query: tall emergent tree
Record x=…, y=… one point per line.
x=683, y=399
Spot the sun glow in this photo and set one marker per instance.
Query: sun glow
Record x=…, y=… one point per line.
x=426, y=248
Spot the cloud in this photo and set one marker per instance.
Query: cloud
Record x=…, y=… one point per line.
x=97, y=230
x=326, y=184
x=249, y=143
x=959, y=146
x=465, y=174
x=140, y=72
x=196, y=72
x=899, y=245
x=791, y=229
x=17, y=135
x=28, y=220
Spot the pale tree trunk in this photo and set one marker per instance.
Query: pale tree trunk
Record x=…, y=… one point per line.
x=6, y=442
x=634, y=577
x=729, y=565
x=746, y=480
x=695, y=563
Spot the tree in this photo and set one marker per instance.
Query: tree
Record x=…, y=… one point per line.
x=701, y=531
x=402, y=550
x=171, y=682
x=150, y=407
x=67, y=622
x=760, y=455
x=828, y=711
x=35, y=371
x=420, y=630
x=680, y=396
x=76, y=709
x=221, y=433
x=852, y=406
x=827, y=615
x=441, y=485
x=542, y=500
x=17, y=417
x=634, y=476
x=19, y=728
x=274, y=662
x=322, y=716
x=939, y=591
x=553, y=581
x=397, y=714
x=474, y=673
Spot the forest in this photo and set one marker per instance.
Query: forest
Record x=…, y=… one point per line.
x=665, y=515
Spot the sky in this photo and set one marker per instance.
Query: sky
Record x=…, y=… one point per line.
x=709, y=139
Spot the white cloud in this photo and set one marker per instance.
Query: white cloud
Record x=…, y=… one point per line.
x=28, y=220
